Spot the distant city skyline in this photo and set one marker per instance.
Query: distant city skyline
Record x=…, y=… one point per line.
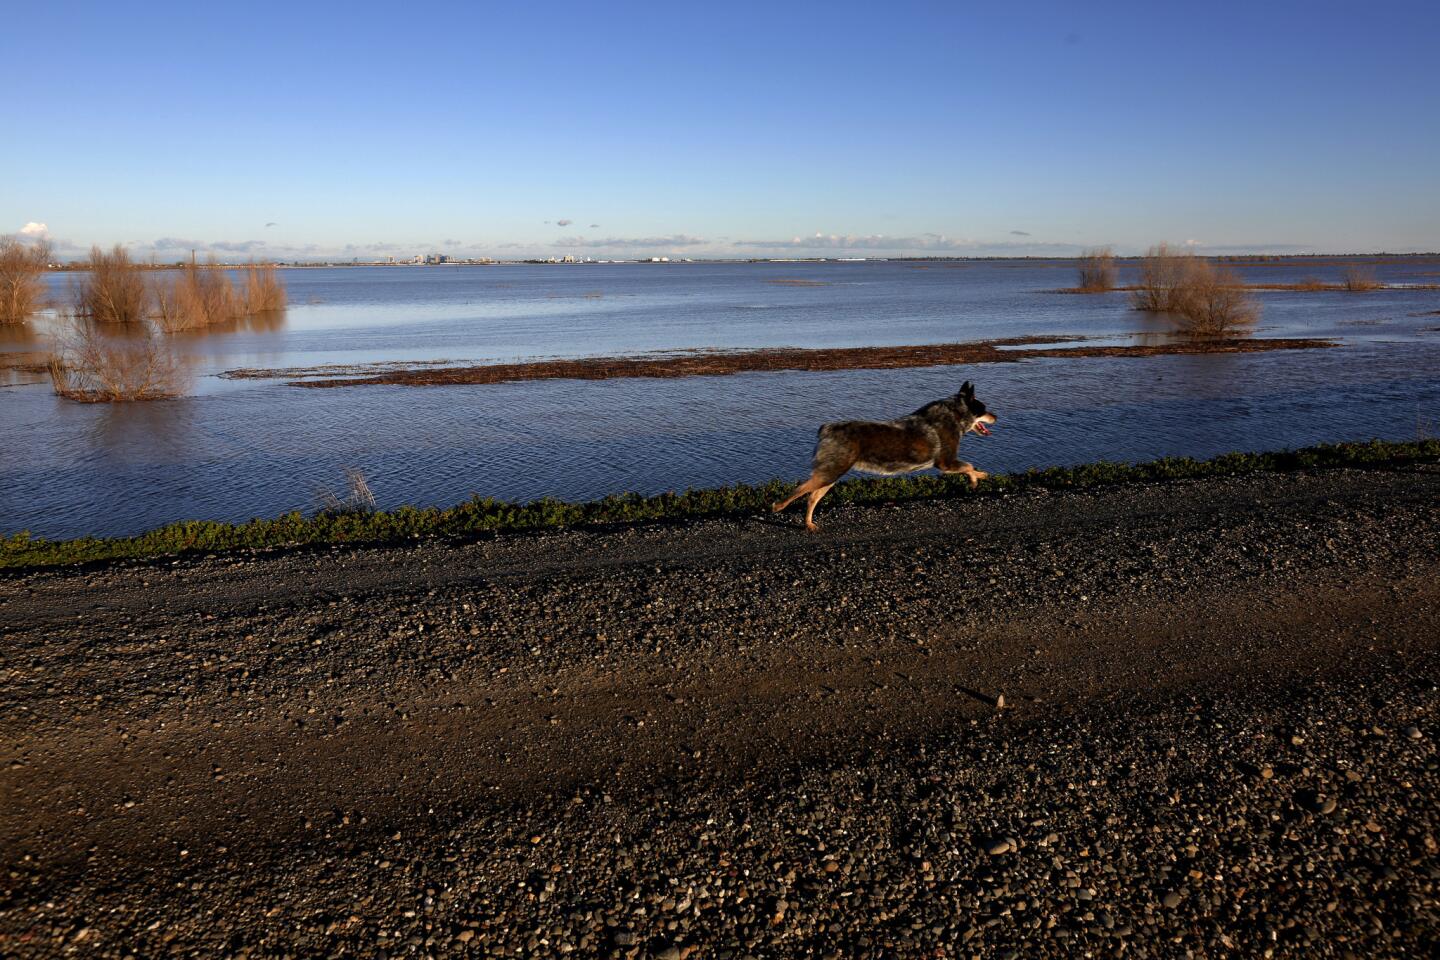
x=303, y=132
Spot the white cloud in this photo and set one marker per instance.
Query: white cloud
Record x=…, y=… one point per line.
x=821, y=241
x=563, y=223
x=924, y=243
x=33, y=229
x=634, y=243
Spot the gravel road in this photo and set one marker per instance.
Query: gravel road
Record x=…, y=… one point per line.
x=1183, y=719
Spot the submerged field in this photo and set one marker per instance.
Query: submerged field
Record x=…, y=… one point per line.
x=242, y=448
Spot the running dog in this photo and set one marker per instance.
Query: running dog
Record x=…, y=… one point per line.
x=929, y=437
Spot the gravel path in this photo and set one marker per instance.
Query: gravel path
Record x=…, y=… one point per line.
x=1185, y=719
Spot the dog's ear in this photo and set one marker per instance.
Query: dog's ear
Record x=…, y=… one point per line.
x=967, y=389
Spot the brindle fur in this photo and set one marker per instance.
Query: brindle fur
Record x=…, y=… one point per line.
x=929, y=437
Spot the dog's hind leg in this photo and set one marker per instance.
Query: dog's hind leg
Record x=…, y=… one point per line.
x=814, y=483
x=815, y=497
x=834, y=455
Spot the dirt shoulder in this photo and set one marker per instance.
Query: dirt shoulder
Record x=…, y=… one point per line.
x=549, y=743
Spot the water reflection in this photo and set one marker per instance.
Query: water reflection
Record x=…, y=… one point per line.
x=157, y=432
x=22, y=357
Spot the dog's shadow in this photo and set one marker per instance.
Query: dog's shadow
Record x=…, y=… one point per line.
x=778, y=520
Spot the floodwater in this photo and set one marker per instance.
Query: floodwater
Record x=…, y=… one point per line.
x=236, y=449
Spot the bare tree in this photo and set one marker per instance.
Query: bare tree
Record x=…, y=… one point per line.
x=1213, y=302
x=114, y=290
x=93, y=366
x=264, y=293
x=1359, y=280
x=22, y=283
x=1163, y=273
x=1097, y=270
x=195, y=297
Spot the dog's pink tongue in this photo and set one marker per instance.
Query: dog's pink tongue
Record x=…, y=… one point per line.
x=981, y=427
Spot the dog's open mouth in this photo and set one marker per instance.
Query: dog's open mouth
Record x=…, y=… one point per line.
x=981, y=429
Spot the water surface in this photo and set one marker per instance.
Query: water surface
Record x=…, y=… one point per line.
x=238, y=449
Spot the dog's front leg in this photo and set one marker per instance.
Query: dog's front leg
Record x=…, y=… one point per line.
x=960, y=466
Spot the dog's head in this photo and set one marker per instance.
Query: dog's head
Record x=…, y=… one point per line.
x=973, y=415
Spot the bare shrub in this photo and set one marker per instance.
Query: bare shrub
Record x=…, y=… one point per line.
x=114, y=290
x=196, y=297
x=264, y=293
x=1207, y=301
x=22, y=283
x=1097, y=271
x=1359, y=280
x=358, y=498
x=91, y=366
x=1212, y=302
x=1163, y=274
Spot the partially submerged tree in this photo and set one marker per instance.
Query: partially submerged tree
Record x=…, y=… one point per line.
x=1097, y=271
x=91, y=365
x=22, y=278
x=1213, y=302
x=1163, y=272
x=1206, y=301
x=264, y=293
x=114, y=288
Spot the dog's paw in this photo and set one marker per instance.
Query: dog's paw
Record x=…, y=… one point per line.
x=776, y=507
x=976, y=476
x=813, y=527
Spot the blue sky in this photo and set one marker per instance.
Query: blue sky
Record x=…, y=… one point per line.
x=604, y=129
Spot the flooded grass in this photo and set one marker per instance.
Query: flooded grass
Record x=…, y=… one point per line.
x=716, y=363
x=481, y=516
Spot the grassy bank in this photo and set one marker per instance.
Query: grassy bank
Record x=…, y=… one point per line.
x=479, y=516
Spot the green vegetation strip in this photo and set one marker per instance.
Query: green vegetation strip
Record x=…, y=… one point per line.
x=486, y=515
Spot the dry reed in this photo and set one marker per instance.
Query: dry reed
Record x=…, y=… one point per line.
x=1097, y=271
x=22, y=284
x=114, y=290
x=91, y=366
x=359, y=499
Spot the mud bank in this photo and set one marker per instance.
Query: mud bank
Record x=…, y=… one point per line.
x=723, y=363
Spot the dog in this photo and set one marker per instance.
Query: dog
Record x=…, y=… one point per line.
x=929, y=437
